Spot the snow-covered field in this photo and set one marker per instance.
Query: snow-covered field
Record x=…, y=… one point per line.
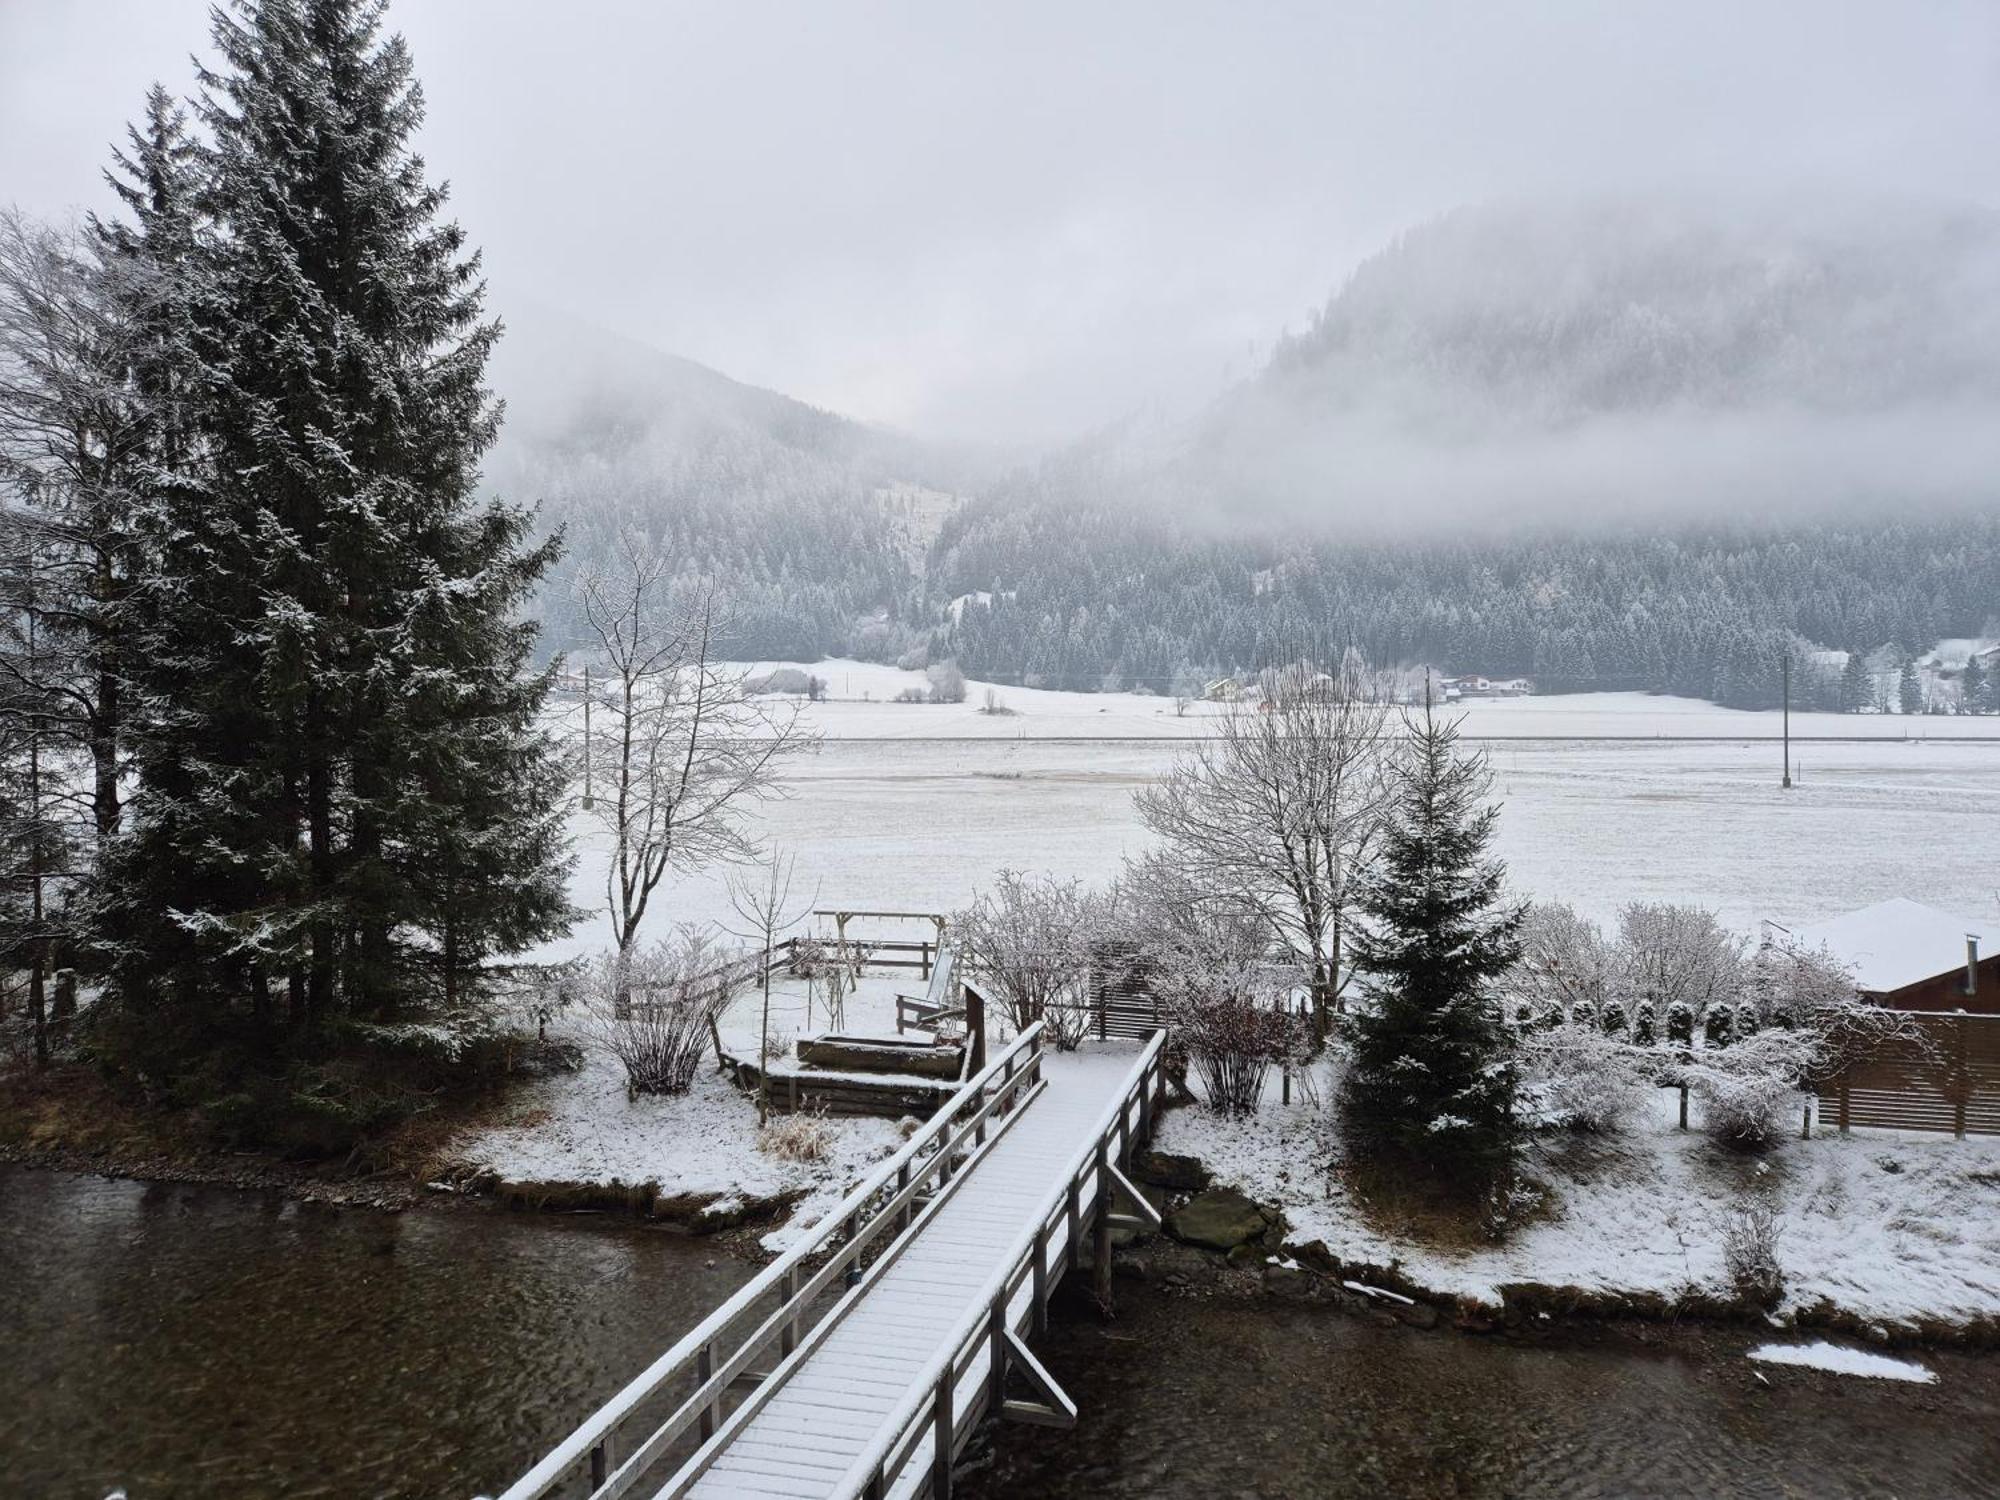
x=861, y=706
x=1896, y=1229
x=937, y=798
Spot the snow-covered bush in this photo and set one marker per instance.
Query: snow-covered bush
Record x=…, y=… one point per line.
x=802, y=1137
x=1564, y=963
x=1579, y=1076
x=1029, y=939
x=1234, y=1036
x=1645, y=1024
x=1677, y=955
x=1718, y=1026
x=1750, y=1254
x=1680, y=1023
x=1748, y=1090
x=654, y=1008
x=947, y=682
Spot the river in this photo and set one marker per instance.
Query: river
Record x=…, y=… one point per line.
x=206, y=1342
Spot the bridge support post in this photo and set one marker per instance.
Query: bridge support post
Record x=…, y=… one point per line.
x=996, y=1352
x=1040, y=1271
x=1100, y=1259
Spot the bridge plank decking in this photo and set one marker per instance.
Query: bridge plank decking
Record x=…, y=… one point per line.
x=848, y=1388
x=869, y=1347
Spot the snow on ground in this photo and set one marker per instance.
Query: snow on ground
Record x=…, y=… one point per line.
x=861, y=705
x=1844, y=1361
x=1893, y=1228
x=920, y=825
x=582, y=1127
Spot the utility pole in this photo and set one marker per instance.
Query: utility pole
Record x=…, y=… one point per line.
x=1787, y=667
x=586, y=736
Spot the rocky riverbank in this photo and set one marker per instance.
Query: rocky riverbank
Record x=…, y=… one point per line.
x=1221, y=1239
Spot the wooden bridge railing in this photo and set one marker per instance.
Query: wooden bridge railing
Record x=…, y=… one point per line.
x=717, y=1360
x=931, y=1409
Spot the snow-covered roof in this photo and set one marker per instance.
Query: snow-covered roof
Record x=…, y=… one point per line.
x=1895, y=943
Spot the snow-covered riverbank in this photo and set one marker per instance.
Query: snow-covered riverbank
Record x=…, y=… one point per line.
x=1899, y=1232
x=701, y=1154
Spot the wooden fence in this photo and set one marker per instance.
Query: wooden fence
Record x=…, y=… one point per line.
x=1953, y=1085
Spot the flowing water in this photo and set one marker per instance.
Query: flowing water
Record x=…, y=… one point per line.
x=205, y=1342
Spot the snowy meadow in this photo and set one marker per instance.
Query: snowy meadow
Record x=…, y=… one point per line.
x=1609, y=798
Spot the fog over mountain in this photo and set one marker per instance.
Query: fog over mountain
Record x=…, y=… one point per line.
x=1602, y=442
x=1614, y=358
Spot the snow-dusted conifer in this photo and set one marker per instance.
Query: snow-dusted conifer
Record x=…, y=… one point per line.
x=1431, y=1075
x=342, y=790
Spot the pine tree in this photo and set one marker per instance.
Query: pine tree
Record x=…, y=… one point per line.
x=342, y=787
x=1857, y=691
x=1430, y=1077
x=1972, y=686
x=1910, y=688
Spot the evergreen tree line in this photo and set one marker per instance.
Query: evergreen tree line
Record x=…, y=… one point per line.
x=273, y=768
x=1104, y=597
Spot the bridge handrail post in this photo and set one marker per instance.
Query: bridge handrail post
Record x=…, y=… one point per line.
x=996, y=1349
x=941, y=1435
x=704, y=1367
x=788, y=1294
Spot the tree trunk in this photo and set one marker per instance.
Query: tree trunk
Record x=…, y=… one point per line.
x=319, y=835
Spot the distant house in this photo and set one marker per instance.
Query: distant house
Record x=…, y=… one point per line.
x=1487, y=687
x=1913, y=957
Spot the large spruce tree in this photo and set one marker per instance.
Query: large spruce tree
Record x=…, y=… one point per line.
x=343, y=797
x=1430, y=1079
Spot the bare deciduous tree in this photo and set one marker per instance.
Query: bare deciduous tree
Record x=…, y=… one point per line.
x=680, y=750
x=1677, y=955
x=1565, y=964
x=1030, y=938
x=762, y=899
x=74, y=429
x=1278, y=811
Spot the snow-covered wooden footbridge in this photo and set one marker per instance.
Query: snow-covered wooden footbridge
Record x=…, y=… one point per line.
x=859, y=1362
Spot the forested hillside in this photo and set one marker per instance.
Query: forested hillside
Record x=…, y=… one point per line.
x=1598, y=444
x=1102, y=598
x=813, y=519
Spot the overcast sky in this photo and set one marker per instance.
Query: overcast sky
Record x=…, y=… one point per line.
x=1013, y=222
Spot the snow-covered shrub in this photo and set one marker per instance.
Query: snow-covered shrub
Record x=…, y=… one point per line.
x=653, y=1010
x=1581, y=1077
x=802, y=1137
x=1750, y=1254
x=1747, y=1022
x=1718, y=1026
x=1612, y=1019
x=1029, y=940
x=791, y=681
x=947, y=682
x=1645, y=1024
x=912, y=695
x=1677, y=955
x=1748, y=1090
x=1680, y=1023
x=1564, y=961
x=1234, y=1037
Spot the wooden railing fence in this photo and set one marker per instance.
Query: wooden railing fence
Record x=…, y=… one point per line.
x=716, y=1358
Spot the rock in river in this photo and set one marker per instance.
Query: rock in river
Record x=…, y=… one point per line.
x=1219, y=1219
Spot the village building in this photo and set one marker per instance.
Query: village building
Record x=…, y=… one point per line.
x=1913, y=957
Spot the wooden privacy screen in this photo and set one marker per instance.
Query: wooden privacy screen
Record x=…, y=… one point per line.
x=1957, y=1088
